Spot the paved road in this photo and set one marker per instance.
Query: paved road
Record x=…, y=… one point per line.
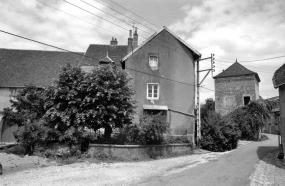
x=230, y=169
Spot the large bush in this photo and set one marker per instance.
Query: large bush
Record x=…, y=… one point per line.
x=218, y=135
x=77, y=101
x=149, y=131
x=101, y=99
x=251, y=118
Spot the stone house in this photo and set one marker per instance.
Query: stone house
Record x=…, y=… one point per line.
x=234, y=87
x=163, y=55
x=279, y=82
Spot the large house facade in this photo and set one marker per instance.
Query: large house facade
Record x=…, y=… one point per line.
x=162, y=68
x=234, y=87
x=163, y=58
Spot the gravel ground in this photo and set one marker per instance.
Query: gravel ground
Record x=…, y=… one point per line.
x=269, y=171
x=85, y=173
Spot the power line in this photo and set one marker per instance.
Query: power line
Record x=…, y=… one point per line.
x=126, y=29
x=89, y=57
x=95, y=15
x=124, y=15
x=264, y=59
x=79, y=18
x=206, y=88
x=113, y=16
x=134, y=14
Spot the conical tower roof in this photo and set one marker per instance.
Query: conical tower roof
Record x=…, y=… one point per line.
x=235, y=70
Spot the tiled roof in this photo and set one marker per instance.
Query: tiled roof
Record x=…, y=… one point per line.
x=95, y=53
x=106, y=59
x=235, y=70
x=22, y=67
x=279, y=77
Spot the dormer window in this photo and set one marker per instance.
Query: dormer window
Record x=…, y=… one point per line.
x=153, y=62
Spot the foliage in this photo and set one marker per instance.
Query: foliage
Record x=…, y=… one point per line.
x=33, y=133
x=149, y=131
x=101, y=99
x=17, y=149
x=251, y=118
x=176, y=140
x=77, y=101
x=263, y=137
x=217, y=134
x=28, y=106
x=209, y=106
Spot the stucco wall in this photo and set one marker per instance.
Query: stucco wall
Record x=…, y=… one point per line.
x=237, y=88
x=282, y=114
x=176, y=63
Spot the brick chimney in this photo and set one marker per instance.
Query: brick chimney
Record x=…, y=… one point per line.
x=113, y=42
x=135, y=41
x=130, y=42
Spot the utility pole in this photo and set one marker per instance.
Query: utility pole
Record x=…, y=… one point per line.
x=198, y=132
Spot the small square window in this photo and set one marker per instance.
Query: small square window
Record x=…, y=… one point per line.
x=153, y=62
x=153, y=91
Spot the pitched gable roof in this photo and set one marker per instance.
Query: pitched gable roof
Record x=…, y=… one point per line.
x=197, y=54
x=23, y=67
x=96, y=52
x=279, y=77
x=235, y=70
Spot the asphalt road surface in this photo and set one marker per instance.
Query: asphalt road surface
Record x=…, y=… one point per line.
x=230, y=169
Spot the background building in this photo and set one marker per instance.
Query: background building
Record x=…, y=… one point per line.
x=234, y=87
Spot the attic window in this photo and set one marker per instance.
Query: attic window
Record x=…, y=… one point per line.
x=153, y=62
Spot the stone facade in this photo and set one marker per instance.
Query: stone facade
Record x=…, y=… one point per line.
x=233, y=92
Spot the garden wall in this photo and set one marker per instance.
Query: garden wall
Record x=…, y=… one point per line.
x=137, y=151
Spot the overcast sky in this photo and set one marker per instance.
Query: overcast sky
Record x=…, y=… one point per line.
x=242, y=29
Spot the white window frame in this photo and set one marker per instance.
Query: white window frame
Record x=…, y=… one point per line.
x=152, y=93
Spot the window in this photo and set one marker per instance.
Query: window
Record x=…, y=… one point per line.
x=153, y=62
x=152, y=91
x=246, y=100
x=229, y=101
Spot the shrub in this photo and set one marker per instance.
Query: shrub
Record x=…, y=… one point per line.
x=17, y=149
x=251, y=118
x=218, y=135
x=149, y=131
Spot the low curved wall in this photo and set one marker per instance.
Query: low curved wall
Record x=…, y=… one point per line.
x=137, y=151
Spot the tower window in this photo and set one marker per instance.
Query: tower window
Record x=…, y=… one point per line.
x=246, y=100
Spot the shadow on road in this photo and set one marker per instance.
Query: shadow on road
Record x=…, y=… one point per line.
x=272, y=159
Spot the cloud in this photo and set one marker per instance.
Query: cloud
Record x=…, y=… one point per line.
x=37, y=21
x=244, y=30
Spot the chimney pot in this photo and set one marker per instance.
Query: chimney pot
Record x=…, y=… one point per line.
x=135, y=40
x=130, y=43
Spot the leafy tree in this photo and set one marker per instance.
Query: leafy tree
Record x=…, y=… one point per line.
x=28, y=106
x=26, y=112
x=251, y=118
x=101, y=99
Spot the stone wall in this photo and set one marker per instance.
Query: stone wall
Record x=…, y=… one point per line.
x=135, y=152
x=234, y=89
